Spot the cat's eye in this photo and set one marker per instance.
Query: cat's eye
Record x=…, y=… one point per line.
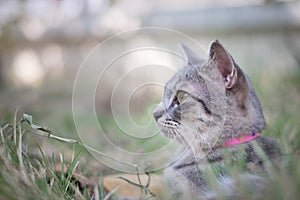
x=181, y=96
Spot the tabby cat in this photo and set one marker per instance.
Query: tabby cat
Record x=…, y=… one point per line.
x=211, y=107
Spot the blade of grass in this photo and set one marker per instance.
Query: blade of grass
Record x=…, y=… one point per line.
x=62, y=173
x=111, y=193
x=101, y=187
x=15, y=125
x=28, y=118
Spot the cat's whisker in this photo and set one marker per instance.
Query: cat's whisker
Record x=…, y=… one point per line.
x=169, y=133
x=184, y=141
x=189, y=135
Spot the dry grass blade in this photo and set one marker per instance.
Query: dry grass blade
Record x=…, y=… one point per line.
x=111, y=193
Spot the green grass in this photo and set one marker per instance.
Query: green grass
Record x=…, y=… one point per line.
x=27, y=176
x=36, y=176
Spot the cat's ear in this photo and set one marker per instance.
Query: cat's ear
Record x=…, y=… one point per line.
x=225, y=64
x=233, y=77
x=190, y=56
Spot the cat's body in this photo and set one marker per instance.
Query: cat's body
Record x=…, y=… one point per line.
x=205, y=105
x=222, y=174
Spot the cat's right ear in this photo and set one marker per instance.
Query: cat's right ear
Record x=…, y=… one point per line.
x=224, y=62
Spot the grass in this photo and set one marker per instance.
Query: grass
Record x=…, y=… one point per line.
x=25, y=176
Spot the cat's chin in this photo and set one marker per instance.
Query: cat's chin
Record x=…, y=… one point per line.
x=169, y=134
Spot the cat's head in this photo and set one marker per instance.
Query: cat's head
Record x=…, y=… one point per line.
x=209, y=101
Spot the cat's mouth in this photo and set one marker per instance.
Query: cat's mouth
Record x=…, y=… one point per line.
x=171, y=123
x=169, y=128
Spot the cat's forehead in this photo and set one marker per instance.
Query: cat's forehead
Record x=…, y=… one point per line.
x=188, y=79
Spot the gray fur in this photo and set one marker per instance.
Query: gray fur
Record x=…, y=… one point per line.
x=221, y=105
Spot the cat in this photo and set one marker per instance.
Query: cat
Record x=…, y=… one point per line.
x=211, y=107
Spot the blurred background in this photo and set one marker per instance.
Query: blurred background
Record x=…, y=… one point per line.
x=43, y=44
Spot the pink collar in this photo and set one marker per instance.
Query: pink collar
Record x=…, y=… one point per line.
x=241, y=139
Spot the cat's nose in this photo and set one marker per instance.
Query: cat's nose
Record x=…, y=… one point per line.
x=158, y=113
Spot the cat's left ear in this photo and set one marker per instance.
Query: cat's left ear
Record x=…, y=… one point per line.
x=225, y=64
x=190, y=56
